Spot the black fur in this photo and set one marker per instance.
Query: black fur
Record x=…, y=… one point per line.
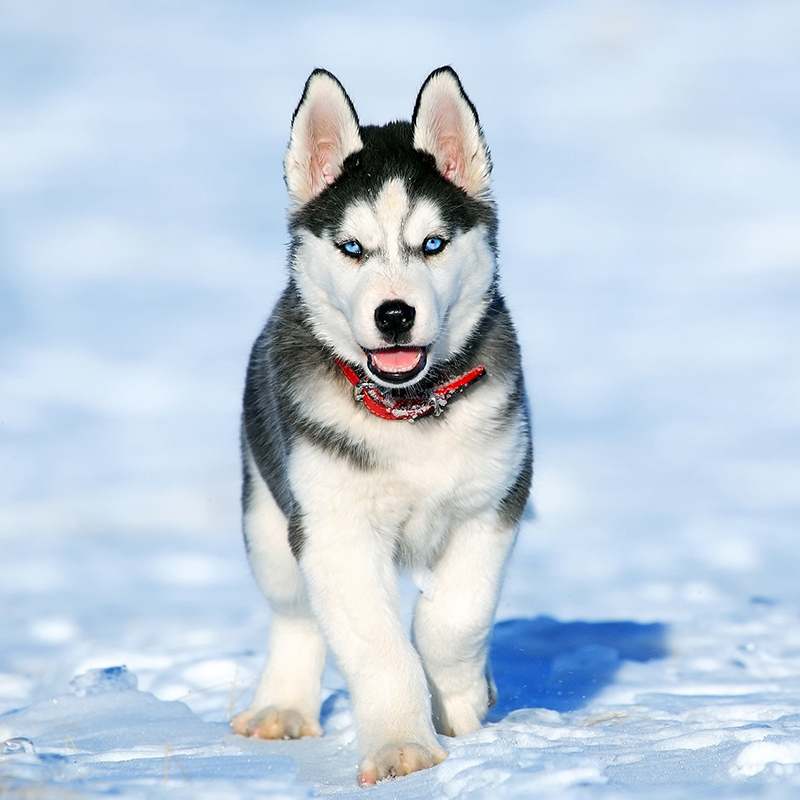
x=513, y=504
x=335, y=442
x=297, y=535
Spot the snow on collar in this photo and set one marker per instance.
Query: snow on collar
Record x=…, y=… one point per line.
x=406, y=408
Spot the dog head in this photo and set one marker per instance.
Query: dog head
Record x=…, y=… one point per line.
x=393, y=227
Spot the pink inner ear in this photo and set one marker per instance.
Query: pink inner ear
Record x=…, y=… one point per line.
x=449, y=135
x=451, y=160
x=325, y=150
x=450, y=171
x=323, y=171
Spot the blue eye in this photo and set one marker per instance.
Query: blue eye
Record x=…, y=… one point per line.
x=352, y=248
x=432, y=245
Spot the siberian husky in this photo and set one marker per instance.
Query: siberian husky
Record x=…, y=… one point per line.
x=384, y=428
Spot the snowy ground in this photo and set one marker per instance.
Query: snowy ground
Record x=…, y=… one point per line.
x=647, y=167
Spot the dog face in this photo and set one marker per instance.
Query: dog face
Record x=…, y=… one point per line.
x=393, y=227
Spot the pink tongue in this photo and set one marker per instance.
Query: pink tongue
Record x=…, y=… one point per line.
x=397, y=360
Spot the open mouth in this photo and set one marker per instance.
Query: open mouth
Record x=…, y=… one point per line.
x=397, y=364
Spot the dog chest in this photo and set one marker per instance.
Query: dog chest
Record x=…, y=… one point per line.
x=421, y=479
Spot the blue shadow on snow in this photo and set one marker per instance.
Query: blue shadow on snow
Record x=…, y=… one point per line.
x=543, y=663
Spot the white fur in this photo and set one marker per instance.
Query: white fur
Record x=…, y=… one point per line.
x=446, y=290
x=451, y=626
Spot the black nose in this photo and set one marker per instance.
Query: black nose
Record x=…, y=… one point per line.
x=394, y=317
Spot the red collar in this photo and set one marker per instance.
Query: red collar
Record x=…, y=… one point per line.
x=406, y=408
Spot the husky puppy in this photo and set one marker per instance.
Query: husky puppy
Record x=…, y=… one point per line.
x=384, y=427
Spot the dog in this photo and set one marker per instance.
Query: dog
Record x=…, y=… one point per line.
x=385, y=427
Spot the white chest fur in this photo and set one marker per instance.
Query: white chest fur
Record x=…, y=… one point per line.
x=426, y=477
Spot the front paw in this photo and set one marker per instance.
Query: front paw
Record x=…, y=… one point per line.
x=394, y=760
x=275, y=723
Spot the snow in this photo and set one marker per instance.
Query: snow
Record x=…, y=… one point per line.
x=646, y=165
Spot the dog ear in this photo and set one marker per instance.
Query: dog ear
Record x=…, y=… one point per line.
x=325, y=131
x=446, y=126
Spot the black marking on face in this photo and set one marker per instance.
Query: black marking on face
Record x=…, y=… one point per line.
x=389, y=154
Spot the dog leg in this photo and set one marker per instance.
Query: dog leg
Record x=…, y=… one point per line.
x=451, y=629
x=287, y=701
x=352, y=583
